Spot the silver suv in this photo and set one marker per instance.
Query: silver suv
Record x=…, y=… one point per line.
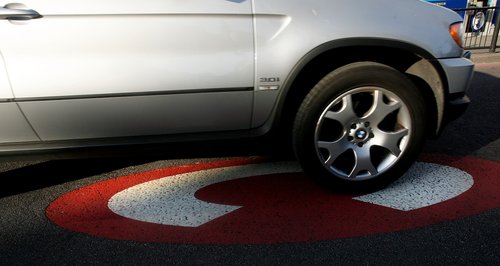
x=357, y=85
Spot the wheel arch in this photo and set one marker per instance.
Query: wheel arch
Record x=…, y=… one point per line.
x=418, y=64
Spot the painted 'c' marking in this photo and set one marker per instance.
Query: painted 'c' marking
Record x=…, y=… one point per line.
x=171, y=200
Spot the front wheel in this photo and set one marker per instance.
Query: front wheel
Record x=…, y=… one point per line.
x=360, y=127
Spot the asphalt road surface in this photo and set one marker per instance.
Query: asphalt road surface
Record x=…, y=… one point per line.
x=281, y=226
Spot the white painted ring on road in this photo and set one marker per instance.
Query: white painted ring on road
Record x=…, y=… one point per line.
x=171, y=200
x=423, y=185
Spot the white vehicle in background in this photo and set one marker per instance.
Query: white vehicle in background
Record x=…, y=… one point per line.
x=359, y=85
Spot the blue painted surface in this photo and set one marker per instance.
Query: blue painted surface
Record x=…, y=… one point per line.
x=450, y=3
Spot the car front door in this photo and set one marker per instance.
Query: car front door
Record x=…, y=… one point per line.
x=14, y=127
x=90, y=69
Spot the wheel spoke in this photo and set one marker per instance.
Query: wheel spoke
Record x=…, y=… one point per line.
x=346, y=114
x=389, y=140
x=380, y=109
x=363, y=163
x=335, y=149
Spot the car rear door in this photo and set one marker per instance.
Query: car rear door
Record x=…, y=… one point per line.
x=113, y=68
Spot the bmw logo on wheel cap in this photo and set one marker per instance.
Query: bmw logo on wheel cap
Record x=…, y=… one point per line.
x=253, y=201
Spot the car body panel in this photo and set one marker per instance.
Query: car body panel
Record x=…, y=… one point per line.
x=14, y=127
x=5, y=89
x=384, y=19
x=139, y=115
x=91, y=52
x=459, y=73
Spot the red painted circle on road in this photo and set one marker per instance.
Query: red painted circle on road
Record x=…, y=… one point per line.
x=276, y=208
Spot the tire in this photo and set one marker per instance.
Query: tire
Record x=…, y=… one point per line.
x=360, y=127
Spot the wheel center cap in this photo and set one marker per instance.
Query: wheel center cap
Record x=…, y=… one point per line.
x=361, y=134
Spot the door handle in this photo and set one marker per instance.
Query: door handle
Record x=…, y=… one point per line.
x=17, y=11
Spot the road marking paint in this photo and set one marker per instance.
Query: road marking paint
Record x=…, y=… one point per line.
x=425, y=184
x=282, y=207
x=171, y=200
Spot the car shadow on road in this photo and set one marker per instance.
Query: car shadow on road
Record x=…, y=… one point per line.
x=36, y=171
